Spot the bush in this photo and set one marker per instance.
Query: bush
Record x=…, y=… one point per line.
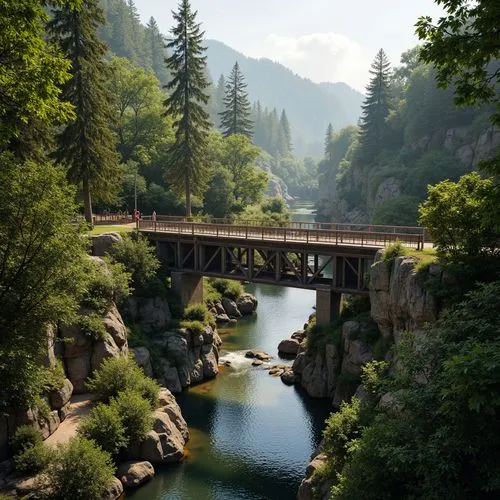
x=199, y=312
x=81, y=471
x=394, y=250
x=135, y=414
x=120, y=374
x=33, y=459
x=26, y=436
x=104, y=426
x=197, y=327
x=227, y=288
x=138, y=257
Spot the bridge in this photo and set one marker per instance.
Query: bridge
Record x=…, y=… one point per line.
x=329, y=258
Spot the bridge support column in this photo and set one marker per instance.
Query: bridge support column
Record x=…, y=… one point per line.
x=327, y=305
x=189, y=287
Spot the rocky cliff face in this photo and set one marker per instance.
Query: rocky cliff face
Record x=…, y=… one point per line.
x=399, y=302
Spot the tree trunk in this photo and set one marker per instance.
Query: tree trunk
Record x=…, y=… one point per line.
x=188, y=196
x=87, y=201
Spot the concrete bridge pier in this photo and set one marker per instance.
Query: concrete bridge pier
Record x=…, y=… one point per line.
x=328, y=305
x=189, y=287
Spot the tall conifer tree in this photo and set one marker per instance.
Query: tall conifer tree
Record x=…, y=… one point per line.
x=235, y=119
x=155, y=46
x=187, y=166
x=87, y=145
x=328, y=142
x=376, y=107
x=286, y=134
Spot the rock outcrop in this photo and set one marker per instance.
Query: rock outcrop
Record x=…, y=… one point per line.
x=229, y=310
x=399, y=301
x=133, y=474
x=152, y=314
x=165, y=442
x=102, y=243
x=188, y=357
x=83, y=353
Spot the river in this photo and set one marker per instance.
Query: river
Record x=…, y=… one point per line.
x=251, y=435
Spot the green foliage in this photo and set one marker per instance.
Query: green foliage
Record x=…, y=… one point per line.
x=446, y=384
x=138, y=257
x=199, y=312
x=80, y=471
x=219, y=199
x=318, y=336
x=53, y=377
x=31, y=71
x=459, y=218
x=26, y=436
x=402, y=210
x=104, y=284
x=120, y=374
x=196, y=327
x=104, y=426
x=42, y=273
x=272, y=210
x=462, y=48
x=210, y=295
x=396, y=249
x=33, y=459
x=135, y=414
x=235, y=119
x=227, y=288
x=187, y=168
x=86, y=146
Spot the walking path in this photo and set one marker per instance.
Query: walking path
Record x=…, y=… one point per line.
x=81, y=405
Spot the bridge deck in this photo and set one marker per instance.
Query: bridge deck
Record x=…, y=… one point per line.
x=294, y=232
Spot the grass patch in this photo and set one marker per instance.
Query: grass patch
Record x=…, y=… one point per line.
x=227, y=288
x=111, y=228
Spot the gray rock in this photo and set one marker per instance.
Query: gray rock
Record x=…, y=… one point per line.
x=246, y=304
x=172, y=440
x=299, y=335
x=288, y=377
x=210, y=364
x=289, y=346
x=102, y=243
x=133, y=474
x=231, y=308
x=61, y=397
x=143, y=358
x=151, y=313
x=114, y=491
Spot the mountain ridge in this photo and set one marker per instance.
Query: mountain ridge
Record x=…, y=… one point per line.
x=310, y=106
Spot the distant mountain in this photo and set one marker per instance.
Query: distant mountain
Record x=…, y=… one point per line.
x=310, y=106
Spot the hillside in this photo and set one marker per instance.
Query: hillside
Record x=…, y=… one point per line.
x=309, y=106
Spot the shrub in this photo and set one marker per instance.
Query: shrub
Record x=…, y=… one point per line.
x=199, y=312
x=197, y=327
x=33, y=459
x=81, y=471
x=120, y=374
x=26, y=436
x=104, y=426
x=394, y=250
x=138, y=257
x=104, y=284
x=227, y=288
x=53, y=378
x=135, y=414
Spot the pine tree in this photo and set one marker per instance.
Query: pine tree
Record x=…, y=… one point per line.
x=187, y=164
x=328, y=142
x=285, y=135
x=376, y=107
x=235, y=119
x=259, y=137
x=219, y=100
x=136, y=33
x=87, y=145
x=155, y=46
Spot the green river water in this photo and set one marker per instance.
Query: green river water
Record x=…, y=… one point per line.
x=251, y=435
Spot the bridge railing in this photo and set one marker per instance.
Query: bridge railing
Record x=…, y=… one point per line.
x=308, y=232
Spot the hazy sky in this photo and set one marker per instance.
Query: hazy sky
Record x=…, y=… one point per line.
x=324, y=40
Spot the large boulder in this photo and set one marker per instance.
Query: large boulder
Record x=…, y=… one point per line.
x=311, y=486
x=171, y=438
x=114, y=491
x=168, y=405
x=210, y=364
x=61, y=396
x=289, y=347
x=246, y=304
x=102, y=243
x=133, y=474
x=231, y=308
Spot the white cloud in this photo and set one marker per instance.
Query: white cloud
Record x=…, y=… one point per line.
x=320, y=57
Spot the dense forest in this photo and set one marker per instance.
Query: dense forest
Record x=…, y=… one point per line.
x=411, y=134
